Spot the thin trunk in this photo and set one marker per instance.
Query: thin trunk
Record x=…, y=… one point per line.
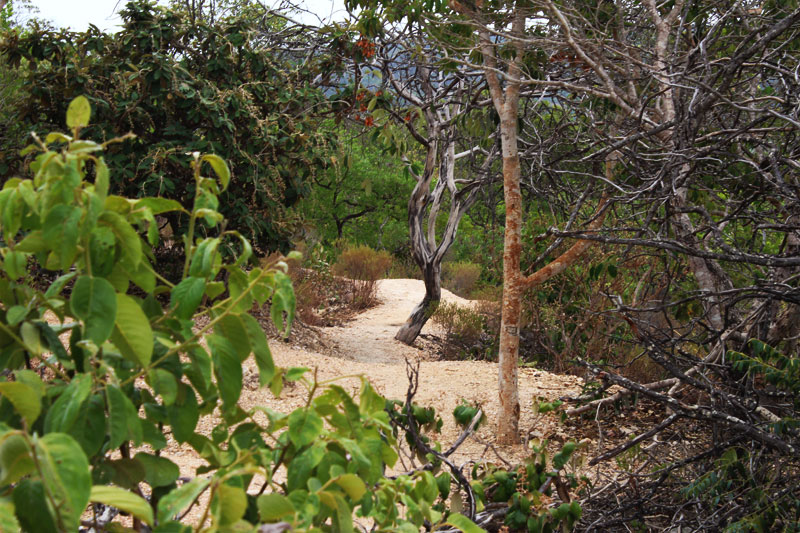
x=431, y=275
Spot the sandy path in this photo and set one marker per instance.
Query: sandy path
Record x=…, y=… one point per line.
x=366, y=347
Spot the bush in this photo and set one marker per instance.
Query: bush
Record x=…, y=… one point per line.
x=460, y=277
x=182, y=87
x=461, y=324
x=363, y=266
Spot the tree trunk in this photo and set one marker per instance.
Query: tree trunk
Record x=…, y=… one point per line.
x=431, y=274
x=508, y=423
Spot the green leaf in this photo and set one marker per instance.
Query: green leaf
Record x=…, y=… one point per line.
x=261, y=351
x=55, y=288
x=203, y=258
x=283, y=301
x=352, y=485
x=227, y=369
x=64, y=412
x=8, y=522
x=304, y=427
x=94, y=301
x=31, y=337
x=101, y=180
x=344, y=515
x=90, y=427
x=274, y=507
x=132, y=332
x=232, y=328
x=15, y=264
x=127, y=238
x=124, y=501
x=158, y=205
x=183, y=414
x=174, y=502
x=220, y=168
x=16, y=460
x=60, y=233
x=163, y=383
x=186, y=296
x=31, y=507
x=123, y=420
x=159, y=471
x=65, y=474
x=24, y=398
x=463, y=523
x=231, y=504
x=78, y=113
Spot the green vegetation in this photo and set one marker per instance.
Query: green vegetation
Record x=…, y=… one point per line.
x=181, y=88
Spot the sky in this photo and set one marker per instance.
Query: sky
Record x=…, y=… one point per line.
x=78, y=14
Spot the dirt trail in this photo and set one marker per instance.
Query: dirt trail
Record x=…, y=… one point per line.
x=366, y=346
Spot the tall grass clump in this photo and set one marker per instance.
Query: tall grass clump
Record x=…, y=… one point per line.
x=363, y=267
x=460, y=277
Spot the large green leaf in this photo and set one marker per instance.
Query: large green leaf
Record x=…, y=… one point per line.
x=60, y=233
x=64, y=412
x=8, y=522
x=186, y=296
x=16, y=460
x=25, y=399
x=231, y=326
x=227, y=369
x=127, y=238
x=220, y=169
x=183, y=414
x=230, y=504
x=260, y=347
x=174, y=502
x=463, y=523
x=31, y=506
x=94, y=301
x=90, y=427
x=65, y=474
x=352, y=485
x=132, y=333
x=164, y=384
x=304, y=427
x=159, y=471
x=274, y=507
x=159, y=205
x=123, y=420
x=78, y=113
x=124, y=501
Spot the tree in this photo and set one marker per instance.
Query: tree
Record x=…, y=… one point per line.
x=435, y=101
x=182, y=88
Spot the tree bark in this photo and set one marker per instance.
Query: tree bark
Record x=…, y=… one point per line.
x=506, y=103
x=431, y=275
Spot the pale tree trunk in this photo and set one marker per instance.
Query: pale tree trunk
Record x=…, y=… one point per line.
x=431, y=275
x=505, y=98
x=427, y=252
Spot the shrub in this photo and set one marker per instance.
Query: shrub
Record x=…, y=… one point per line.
x=459, y=323
x=363, y=266
x=460, y=277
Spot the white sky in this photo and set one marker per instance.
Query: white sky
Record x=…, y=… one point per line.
x=78, y=14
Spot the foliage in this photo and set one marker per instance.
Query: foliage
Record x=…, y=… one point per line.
x=363, y=267
x=93, y=370
x=460, y=277
x=462, y=326
x=362, y=197
x=182, y=87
